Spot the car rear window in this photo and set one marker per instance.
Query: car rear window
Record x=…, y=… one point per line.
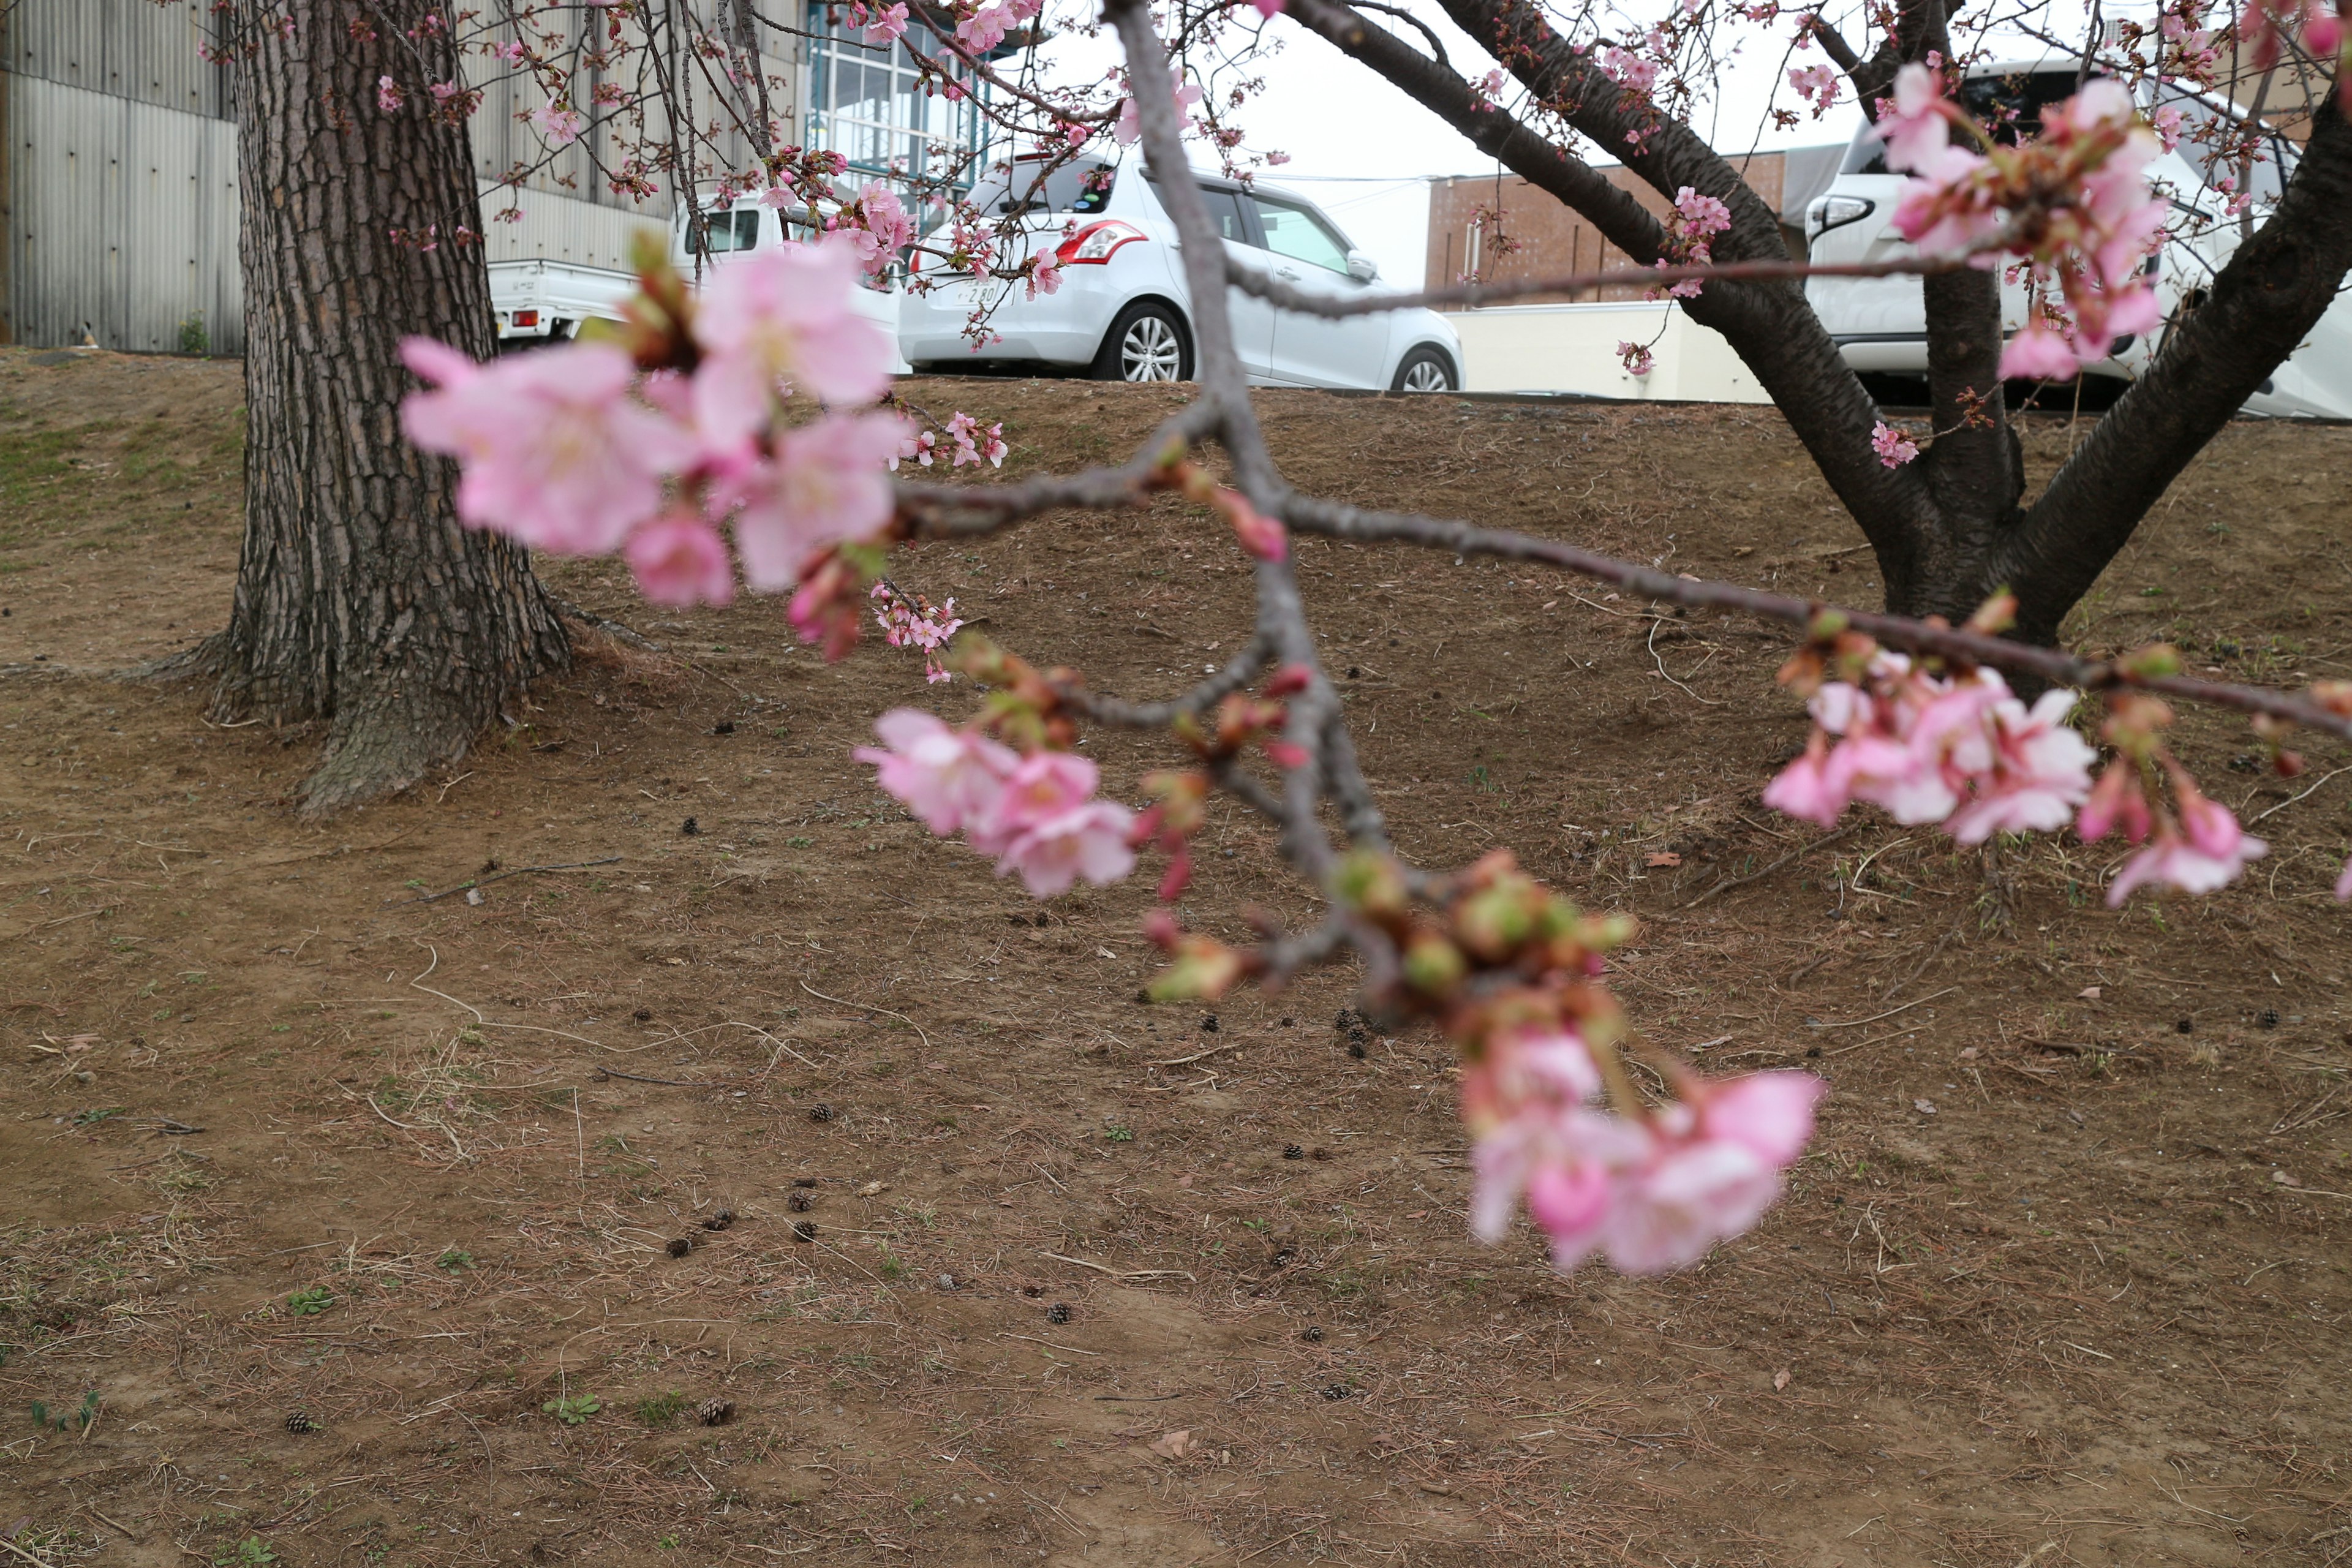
x=1082, y=186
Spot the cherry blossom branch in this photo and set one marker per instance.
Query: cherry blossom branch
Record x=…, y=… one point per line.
x=1334, y=520
x=947, y=511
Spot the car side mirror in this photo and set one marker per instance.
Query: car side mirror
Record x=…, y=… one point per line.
x=1362, y=267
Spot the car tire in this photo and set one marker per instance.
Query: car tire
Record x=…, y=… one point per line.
x=1426, y=369
x=1146, y=343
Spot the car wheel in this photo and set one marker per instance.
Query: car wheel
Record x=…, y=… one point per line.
x=1146, y=343
x=1426, y=370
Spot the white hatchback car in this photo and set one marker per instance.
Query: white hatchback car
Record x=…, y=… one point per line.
x=1122, y=311
x=1880, y=323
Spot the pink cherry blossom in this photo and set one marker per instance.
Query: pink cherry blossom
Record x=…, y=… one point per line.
x=1769, y=1112
x=1089, y=840
x=1636, y=358
x=1269, y=9
x=887, y=26
x=779, y=319
x=827, y=482
x=681, y=561
x=2037, y=353
x=388, y=97
x=1893, y=447
x=876, y=229
x=555, y=451
x=2170, y=860
x=2116, y=802
x=1817, y=85
x=1651, y=1194
x=561, y=125
x=1045, y=277
x=2343, y=884
x=1128, y=127
x=1041, y=788
x=983, y=29
x=945, y=777
x=2029, y=770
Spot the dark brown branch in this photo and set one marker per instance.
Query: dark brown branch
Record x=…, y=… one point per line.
x=1309, y=515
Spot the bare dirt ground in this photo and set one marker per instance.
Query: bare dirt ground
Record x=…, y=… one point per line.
x=362, y=1214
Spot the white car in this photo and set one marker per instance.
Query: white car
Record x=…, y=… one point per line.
x=1880, y=323
x=1122, y=311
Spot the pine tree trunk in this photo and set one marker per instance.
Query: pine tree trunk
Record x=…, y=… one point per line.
x=359, y=599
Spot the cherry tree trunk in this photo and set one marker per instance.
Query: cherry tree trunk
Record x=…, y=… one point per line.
x=360, y=600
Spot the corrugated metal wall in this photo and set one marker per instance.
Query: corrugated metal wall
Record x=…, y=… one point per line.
x=118, y=179
x=122, y=216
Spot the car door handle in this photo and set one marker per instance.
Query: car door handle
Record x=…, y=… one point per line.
x=1285, y=274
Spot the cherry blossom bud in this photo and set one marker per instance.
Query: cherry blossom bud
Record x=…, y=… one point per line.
x=1432, y=965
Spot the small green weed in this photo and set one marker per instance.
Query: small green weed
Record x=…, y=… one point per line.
x=250, y=1553
x=95, y=1115
x=77, y=1420
x=309, y=1303
x=576, y=1410
x=455, y=1258
x=661, y=1409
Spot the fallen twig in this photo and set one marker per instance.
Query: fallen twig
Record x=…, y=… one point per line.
x=671, y=1082
x=1732, y=882
x=869, y=1007
x=1196, y=1055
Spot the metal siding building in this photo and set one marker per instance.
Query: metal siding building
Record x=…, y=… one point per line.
x=119, y=178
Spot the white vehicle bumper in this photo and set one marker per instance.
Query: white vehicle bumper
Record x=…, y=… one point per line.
x=1065, y=326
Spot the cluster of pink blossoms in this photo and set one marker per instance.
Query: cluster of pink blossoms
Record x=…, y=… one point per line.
x=883, y=24
x=875, y=227
x=1636, y=358
x=1959, y=752
x=1691, y=227
x=2265, y=25
x=915, y=622
x=569, y=450
x=1893, y=447
x=1963, y=752
x=984, y=27
x=2198, y=847
x=1128, y=129
x=1817, y=85
x=2087, y=245
x=1649, y=1193
x=1036, y=815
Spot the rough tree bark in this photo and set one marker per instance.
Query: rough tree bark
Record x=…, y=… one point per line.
x=359, y=599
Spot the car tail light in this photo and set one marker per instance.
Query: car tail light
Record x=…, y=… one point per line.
x=1835, y=212
x=1094, y=244
x=524, y=319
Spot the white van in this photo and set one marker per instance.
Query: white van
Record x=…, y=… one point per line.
x=1880, y=323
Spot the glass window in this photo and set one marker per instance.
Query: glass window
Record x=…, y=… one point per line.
x=1226, y=212
x=2214, y=144
x=1082, y=186
x=867, y=103
x=1302, y=236
x=719, y=233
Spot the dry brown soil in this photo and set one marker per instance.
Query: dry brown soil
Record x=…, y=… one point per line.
x=287, y=1145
